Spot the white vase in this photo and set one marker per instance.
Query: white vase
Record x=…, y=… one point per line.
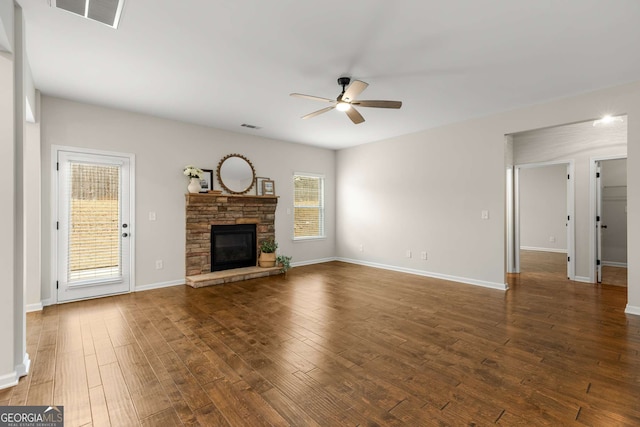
x=194, y=185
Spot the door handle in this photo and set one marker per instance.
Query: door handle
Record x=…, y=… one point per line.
x=603, y=226
x=125, y=234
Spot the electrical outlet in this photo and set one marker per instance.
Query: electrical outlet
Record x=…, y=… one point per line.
x=159, y=264
x=423, y=255
x=361, y=248
x=408, y=253
x=484, y=214
x=552, y=239
x=152, y=216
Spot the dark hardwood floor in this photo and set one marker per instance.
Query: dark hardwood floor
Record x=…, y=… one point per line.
x=554, y=266
x=338, y=344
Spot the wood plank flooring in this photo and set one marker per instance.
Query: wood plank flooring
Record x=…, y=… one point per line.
x=338, y=344
x=554, y=265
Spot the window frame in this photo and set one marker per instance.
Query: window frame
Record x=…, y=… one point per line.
x=321, y=207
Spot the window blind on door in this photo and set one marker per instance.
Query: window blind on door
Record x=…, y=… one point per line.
x=94, y=250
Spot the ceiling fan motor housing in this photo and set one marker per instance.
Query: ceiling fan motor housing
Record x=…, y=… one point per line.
x=344, y=81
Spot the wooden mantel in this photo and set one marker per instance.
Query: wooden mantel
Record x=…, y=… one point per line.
x=194, y=196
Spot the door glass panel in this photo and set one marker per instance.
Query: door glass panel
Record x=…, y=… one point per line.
x=94, y=250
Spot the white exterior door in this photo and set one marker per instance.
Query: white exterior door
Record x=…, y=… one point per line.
x=93, y=229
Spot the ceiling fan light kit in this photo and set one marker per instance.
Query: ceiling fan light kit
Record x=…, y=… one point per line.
x=346, y=101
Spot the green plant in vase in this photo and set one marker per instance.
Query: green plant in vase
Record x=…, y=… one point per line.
x=268, y=253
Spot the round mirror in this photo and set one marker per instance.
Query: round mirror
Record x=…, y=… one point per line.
x=236, y=174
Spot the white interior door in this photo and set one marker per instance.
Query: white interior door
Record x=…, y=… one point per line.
x=598, y=224
x=93, y=230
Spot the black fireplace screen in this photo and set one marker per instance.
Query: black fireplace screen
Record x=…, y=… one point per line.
x=233, y=246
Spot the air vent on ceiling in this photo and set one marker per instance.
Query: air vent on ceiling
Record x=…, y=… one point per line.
x=244, y=125
x=104, y=11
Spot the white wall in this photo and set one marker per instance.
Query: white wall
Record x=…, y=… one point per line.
x=579, y=142
x=32, y=212
x=162, y=148
x=7, y=171
x=14, y=361
x=6, y=25
x=614, y=173
x=543, y=208
x=425, y=191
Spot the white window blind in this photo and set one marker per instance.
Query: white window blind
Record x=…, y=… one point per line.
x=308, y=206
x=94, y=228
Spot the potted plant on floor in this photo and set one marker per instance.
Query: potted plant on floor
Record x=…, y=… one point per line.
x=284, y=262
x=268, y=253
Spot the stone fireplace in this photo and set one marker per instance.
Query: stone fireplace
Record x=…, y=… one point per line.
x=203, y=211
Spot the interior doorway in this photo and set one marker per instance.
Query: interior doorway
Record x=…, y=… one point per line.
x=581, y=143
x=610, y=185
x=543, y=215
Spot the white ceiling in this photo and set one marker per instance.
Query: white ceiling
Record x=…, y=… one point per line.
x=224, y=63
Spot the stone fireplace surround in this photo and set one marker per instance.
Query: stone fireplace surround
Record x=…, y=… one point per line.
x=204, y=210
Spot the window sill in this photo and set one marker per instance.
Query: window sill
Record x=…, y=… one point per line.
x=308, y=239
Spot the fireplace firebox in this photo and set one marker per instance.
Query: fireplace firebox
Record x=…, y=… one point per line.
x=233, y=246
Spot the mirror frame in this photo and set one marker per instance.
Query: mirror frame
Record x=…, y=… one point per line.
x=253, y=172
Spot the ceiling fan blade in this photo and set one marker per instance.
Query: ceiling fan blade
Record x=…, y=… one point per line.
x=355, y=88
x=378, y=104
x=317, y=113
x=315, y=98
x=355, y=117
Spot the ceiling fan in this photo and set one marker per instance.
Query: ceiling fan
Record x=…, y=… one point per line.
x=346, y=100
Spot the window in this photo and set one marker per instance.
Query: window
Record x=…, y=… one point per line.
x=94, y=223
x=308, y=206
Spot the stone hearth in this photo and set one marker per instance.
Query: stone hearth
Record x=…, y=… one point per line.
x=229, y=276
x=204, y=210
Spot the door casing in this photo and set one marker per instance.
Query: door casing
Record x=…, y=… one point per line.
x=55, y=150
x=513, y=245
x=593, y=229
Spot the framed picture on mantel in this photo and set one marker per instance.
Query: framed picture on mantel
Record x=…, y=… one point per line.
x=206, y=183
x=268, y=188
x=259, y=180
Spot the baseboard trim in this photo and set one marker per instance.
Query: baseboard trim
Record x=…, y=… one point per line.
x=159, y=285
x=465, y=280
x=11, y=379
x=614, y=264
x=632, y=309
x=582, y=279
x=313, y=261
x=8, y=380
x=34, y=307
x=23, y=368
x=50, y=301
x=533, y=248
